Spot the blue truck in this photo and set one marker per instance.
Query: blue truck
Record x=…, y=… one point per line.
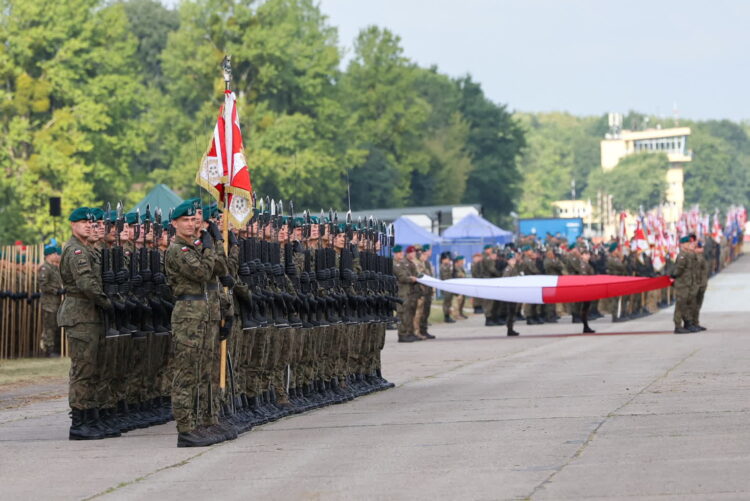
x=570, y=227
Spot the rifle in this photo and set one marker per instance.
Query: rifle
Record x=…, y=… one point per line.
x=108, y=281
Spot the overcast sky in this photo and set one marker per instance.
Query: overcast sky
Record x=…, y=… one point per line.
x=581, y=56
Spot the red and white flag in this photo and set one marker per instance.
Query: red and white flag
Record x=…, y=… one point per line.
x=544, y=289
x=223, y=170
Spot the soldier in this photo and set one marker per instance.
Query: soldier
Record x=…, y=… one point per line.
x=51, y=287
x=446, y=273
x=459, y=272
x=406, y=273
x=190, y=267
x=586, y=269
x=701, y=282
x=616, y=266
x=684, y=277
x=476, y=272
x=80, y=314
x=512, y=269
x=530, y=266
x=426, y=302
x=552, y=266
x=489, y=269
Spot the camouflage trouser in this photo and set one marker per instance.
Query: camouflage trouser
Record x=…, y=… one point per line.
x=187, y=391
x=698, y=305
x=83, y=342
x=406, y=315
x=447, y=303
x=492, y=309
x=533, y=310
x=283, y=342
x=684, y=307
x=425, y=314
x=107, y=362
x=460, y=300
x=257, y=362
x=51, y=332
x=209, y=408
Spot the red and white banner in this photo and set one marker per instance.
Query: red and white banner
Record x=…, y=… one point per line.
x=543, y=289
x=223, y=170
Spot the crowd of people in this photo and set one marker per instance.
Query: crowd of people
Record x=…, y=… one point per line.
x=690, y=266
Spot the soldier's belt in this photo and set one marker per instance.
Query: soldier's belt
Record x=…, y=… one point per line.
x=191, y=297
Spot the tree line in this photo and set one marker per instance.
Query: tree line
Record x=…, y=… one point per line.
x=101, y=99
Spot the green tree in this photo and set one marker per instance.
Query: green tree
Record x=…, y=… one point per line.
x=495, y=144
x=69, y=108
x=386, y=116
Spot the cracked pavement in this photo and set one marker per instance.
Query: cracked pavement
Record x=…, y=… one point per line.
x=630, y=412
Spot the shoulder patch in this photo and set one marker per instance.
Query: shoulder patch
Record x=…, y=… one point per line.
x=184, y=248
x=197, y=242
x=77, y=252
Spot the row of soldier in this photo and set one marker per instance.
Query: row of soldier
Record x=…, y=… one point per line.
x=302, y=303
x=558, y=258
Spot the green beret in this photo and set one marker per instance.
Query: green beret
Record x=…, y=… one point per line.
x=425, y=247
x=398, y=248
x=685, y=240
x=342, y=227
x=488, y=246
x=80, y=214
x=612, y=247
x=510, y=255
x=186, y=208
x=97, y=214
x=112, y=215
x=131, y=218
x=526, y=247
x=298, y=221
x=193, y=201
x=50, y=249
x=458, y=258
x=314, y=220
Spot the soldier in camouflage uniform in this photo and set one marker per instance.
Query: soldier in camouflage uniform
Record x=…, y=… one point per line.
x=51, y=287
x=190, y=267
x=459, y=272
x=446, y=273
x=427, y=292
x=701, y=282
x=684, y=284
x=406, y=273
x=81, y=316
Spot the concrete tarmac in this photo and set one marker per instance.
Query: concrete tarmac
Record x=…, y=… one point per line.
x=633, y=411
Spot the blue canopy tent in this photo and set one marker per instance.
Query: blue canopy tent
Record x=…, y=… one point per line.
x=410, y=233
x=470, y=235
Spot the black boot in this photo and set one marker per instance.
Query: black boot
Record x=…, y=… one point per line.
x=80, y=430
x=194, y=438
x=386, y=383
x=93, y=420
x=449, y=320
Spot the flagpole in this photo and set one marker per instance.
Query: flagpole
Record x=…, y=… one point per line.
x=227, y=70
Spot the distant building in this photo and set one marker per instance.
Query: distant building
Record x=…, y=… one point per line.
x=574, y=208
x=673, y=142
x=434, y=218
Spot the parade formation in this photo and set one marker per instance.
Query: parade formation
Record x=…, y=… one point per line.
x=302, y=302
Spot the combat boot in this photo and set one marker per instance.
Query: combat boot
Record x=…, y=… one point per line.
x=193, y=439
x=93, y=420
x=409, y=338
x=448, y=320
x=681, y=330
x=512, y=332
x=79, y=430
x=388, y=384
x=125, y=418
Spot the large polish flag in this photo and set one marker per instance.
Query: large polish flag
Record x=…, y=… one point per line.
x=543, y=289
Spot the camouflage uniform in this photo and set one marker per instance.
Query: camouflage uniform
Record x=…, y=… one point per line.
x=50, y=285
x=683, y=286
x=446, y=273
x=190, y=269
x=409, y=292
x=82, y=320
